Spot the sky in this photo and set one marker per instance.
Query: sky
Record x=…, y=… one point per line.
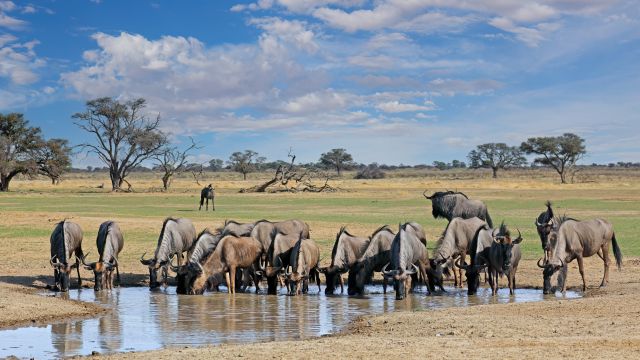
x=391, y=81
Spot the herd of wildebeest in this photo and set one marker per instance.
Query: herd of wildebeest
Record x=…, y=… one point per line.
x=239, y=255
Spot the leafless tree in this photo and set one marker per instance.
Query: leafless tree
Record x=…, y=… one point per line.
x=172, y=161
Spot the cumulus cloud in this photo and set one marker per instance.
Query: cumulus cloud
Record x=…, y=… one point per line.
x=451, y=87
x=398, y=107
x=18, y=61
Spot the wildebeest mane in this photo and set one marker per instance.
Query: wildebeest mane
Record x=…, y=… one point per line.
x=381, y=228
x=164, y=226
x=102, y=235
x=297, y=248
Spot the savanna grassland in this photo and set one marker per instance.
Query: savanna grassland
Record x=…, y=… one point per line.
x=29, y=212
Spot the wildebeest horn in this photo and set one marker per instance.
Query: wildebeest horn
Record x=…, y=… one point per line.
x=540, y=266
x=388, y=273
x=410, y=272
x=460, y=265
x=55, y=264
x=425, y=194
x=519, y=234
x=287, y=272
x=83, y=258
x=537, y=223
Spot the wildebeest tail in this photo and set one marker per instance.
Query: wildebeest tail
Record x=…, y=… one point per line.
x=616, y=251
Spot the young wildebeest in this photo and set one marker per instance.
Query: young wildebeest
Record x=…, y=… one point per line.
x=449, y=205
x=204, y=245
x=375, y=257
x=409, y=256
x=454, y=242
x=208, y=193
x=65, y=241
x=305, y=256
x=577, y=240
x=176, y=237
x=346, y=251
x=265, y=231
x=109, y=242
x=231, y=254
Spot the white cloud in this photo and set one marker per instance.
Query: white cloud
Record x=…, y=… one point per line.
x=11, y=23
x=397, y=107
x=7, y=6
x=18, y=61
x=293, y=32
x=451, y=87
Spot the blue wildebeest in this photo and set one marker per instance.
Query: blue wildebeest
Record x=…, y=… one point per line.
x=109, y=243
x=265, y=232
x=453, y=243
x=450, y=204
x=204, y=245
x=577, y=240
x=346, y=251
x=278, y=258
x=208, y=193
x=177, y=236
x=303, y=264
x=65, y=241
x=374, y=258
x=231, y=254
x=409, y=257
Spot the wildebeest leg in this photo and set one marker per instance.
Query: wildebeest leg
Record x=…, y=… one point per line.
x=458, y=280
x=491, y=280
x=605, y=259
x=317, y=274
x=230, y=277
x=384, y=285
x=78, y=270
x=340, y=280
x=213, y=204
x=117, y=275
x=510, y=278
x=581, y=269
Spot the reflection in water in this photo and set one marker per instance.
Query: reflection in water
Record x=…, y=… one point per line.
x=146, y=320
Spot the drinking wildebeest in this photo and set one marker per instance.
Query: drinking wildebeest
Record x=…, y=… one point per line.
x=65, y=241
x=240, y=229
x=374, y=258
x=231, y=254
x=345, y=253
x=545, y=223
x=208, y=193
x=278, y=258
x=450, y=204
x=577, y=240
x=204, y=245
x=177, y=236
x=109, y=242
x=409, y=256
x=454, y=242
x=305, y=256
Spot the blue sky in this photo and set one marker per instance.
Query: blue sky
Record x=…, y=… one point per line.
x=392, y=81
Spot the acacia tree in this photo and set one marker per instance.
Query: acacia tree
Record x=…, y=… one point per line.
x=560, y=152
x=172, y=161
x=338, y=159
x=53, y=159
x=245, y=162
x=124, y=136
x=496, y=156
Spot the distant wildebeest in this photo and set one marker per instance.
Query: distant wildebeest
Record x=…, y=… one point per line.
x=208, y=193
x=577, y=240
x=450, y=204
x=346, y=251
x=65, y=241
x=265, y=231
x=374, y=258
x=409, y=257
x=109, y=242
x=231, y=253
x=177, y=236
x=303, y=266
x=204, y=245
x=453, y=243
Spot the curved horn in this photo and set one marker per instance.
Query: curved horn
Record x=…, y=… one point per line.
x=537, y=223
x=519, y=234
x=387, y=273
x=411, y=272
x=287, y=272
x=540, y=266
x=83, y=258
x=425, y=194
x=54, y=264
x=458, y=264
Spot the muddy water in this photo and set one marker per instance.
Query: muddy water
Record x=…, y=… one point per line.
x=146, y=320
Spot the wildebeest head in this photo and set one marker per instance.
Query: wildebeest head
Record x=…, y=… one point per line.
x=437, y=269
x=102, y=272
x=157, y=271
x=61, y=273
x=401, y=279
x=544, y=225
x=472, y=274
x=504, y=244
x=357, y=279
x=185, y=275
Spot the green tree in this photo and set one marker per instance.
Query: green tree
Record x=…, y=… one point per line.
x=338, y=159
x=496, y=156
x=245, y=162
x=53, y=159
x=560, y=152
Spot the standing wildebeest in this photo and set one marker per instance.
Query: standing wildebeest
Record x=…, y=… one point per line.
x=374, y=258
x=454, y=242
x=205, y=244
x=409, y=256
x=450, y=204
x=346, y=251
x=208, y=193
x=577, y=240
x=65, y=241
x=176, y=237
x=265, y=231
x=109, y=242
x=305, y=256
x=231, y=253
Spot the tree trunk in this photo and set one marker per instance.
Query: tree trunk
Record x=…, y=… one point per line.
x=4, y=182
x=563, y=177
x=166, y=182
x=244, y=176
x=495, y=172
x=338, y=168
x=116, y=181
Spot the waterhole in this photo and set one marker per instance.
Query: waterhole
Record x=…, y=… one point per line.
x=145, y=320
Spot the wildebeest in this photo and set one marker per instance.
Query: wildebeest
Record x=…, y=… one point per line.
x=208, y=193
x=450, y=204
x=346, y=251
x=231, y=253
x=305, y=256
x=278, y=258
x=176, y=237
x=577, y=240
x=374, y=258
x=454, y=242
x=240, y=229
x=204, y=245
x=409, y=256
x=65, y=241
x=109, y=243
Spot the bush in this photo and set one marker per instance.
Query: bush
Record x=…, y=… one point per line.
x=371, y=171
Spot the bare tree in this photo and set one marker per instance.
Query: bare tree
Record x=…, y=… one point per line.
x=172, y=161
x=124, y=136
x=496, y=156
